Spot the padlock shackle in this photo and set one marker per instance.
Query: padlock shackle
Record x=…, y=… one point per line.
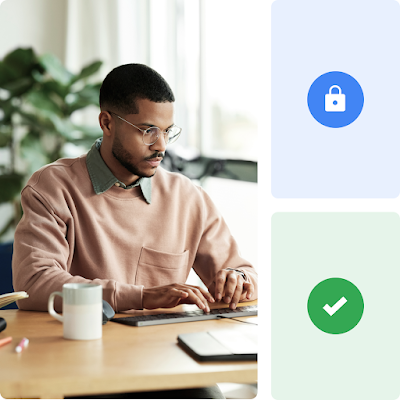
x=337, y=87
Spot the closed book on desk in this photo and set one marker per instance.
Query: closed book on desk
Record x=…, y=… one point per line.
x=221, y=345
x=9, y=298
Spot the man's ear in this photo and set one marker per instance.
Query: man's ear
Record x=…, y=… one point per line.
x=106, y=122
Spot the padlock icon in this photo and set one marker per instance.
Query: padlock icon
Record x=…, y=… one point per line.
x=335, y=102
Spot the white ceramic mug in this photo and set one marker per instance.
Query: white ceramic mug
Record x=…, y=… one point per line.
x=82, y=316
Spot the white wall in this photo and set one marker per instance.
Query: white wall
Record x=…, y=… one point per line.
x=38, y=23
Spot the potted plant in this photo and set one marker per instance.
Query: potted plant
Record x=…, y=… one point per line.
x=38, y=96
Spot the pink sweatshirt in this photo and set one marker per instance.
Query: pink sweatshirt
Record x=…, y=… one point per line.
x=70, y=234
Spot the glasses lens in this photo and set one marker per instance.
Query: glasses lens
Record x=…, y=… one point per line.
x=173, y=134
x=151, y=135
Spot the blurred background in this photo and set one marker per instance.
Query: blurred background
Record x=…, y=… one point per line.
x=54, y=55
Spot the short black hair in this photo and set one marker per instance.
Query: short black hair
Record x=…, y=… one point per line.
x=127, y=83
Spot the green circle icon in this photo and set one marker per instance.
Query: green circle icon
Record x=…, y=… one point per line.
x=335, y=306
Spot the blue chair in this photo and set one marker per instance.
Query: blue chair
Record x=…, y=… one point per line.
x=6, y=251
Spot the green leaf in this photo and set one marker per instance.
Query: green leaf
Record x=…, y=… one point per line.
x=21, y=61
x=55, y=69
x=5, y=137
x=19, y=86
x=52, y=86
x=7, y=109
x=7, y=74
x=17, y=70
x=78, y=104
x=10, y=186
x=90, y=92
x=88, y=70
x=33, y=154
x=35, y=120
x=43, y=102
x=64, y=127
x=87, y=96
x=37, y=76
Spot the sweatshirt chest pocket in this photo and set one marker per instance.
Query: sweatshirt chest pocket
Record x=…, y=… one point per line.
x=156, y=268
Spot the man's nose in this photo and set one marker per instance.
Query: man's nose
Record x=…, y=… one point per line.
x=160, y=145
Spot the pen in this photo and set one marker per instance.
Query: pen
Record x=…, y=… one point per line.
x=22, y=344
x=5, y=341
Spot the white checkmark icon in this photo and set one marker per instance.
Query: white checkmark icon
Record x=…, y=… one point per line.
x=339, y=304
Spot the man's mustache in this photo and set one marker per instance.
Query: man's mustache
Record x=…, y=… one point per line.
x=156, y=155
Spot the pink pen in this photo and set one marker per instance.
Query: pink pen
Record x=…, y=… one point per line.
x=22, y=345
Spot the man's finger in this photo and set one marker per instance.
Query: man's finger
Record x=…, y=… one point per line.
x=194, y=298
x=249, y=287
x=243, y=296
x=206, y=294
x=179, y=293
x=230, y=286
x=238, y=292
x=220, y=280
x=202, y=295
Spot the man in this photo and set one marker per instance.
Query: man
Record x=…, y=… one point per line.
x=113, y=217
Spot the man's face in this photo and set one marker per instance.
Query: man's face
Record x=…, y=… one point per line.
x=128, y=147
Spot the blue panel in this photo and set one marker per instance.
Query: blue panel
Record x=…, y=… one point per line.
x=6, y=250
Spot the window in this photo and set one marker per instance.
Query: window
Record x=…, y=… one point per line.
x=207, y=51
x=229, y=72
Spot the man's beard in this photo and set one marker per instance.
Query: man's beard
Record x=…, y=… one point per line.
x=123, y=157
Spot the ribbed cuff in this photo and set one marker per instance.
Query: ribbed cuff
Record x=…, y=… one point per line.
x=128, y=297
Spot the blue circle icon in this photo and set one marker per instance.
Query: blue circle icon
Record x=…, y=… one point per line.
x=335, y=99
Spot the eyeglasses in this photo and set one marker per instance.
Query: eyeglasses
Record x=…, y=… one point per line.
x=151, y=135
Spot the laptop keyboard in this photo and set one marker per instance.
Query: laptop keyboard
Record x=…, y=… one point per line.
x=186, y=316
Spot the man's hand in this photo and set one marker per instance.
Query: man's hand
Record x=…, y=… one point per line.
x=231, y=288
x=169, y=296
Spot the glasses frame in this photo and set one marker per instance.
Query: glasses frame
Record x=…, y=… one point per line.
x=144, y=131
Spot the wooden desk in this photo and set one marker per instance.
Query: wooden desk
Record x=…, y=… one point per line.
x=126, y=359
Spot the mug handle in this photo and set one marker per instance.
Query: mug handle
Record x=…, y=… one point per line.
x=50, y=306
